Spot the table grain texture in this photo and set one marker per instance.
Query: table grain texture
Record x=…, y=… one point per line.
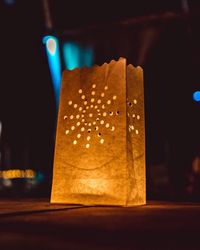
x=37, y=224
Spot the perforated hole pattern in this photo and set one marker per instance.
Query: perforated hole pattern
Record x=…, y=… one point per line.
x=131, y=104
x=91, y=117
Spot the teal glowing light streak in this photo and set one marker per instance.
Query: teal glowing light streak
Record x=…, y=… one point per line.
x=77, y=56
x=53, y=55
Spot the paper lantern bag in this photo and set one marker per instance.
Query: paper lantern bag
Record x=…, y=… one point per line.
x=100, y=141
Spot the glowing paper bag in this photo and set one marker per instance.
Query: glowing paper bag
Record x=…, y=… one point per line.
x=100, y=142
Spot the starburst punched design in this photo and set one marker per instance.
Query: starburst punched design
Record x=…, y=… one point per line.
x=91, y=117
x=133, y=116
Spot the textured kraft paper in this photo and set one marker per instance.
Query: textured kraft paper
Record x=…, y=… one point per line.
x=100, y=141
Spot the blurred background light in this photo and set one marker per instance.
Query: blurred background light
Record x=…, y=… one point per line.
x=196, y=96
x=51, y=46
x=9, y=2
x=53, y=56
x=84, y=38
x=17, y=173
x=77, y=56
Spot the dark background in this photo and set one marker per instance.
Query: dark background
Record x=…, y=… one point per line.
x=161, y=36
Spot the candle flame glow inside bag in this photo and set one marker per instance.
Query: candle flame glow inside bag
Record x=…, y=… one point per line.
x=100, y=142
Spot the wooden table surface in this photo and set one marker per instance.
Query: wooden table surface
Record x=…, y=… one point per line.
x=39, y=225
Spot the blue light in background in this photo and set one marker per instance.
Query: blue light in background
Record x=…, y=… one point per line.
x=88, y=57
x=9, y=2
x=196, y=96
x=53, y=55
x=77, y=56
x=71, y=55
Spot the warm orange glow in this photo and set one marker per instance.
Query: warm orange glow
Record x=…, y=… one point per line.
x=93, y=186
x=17, y=174
x=100, y=142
